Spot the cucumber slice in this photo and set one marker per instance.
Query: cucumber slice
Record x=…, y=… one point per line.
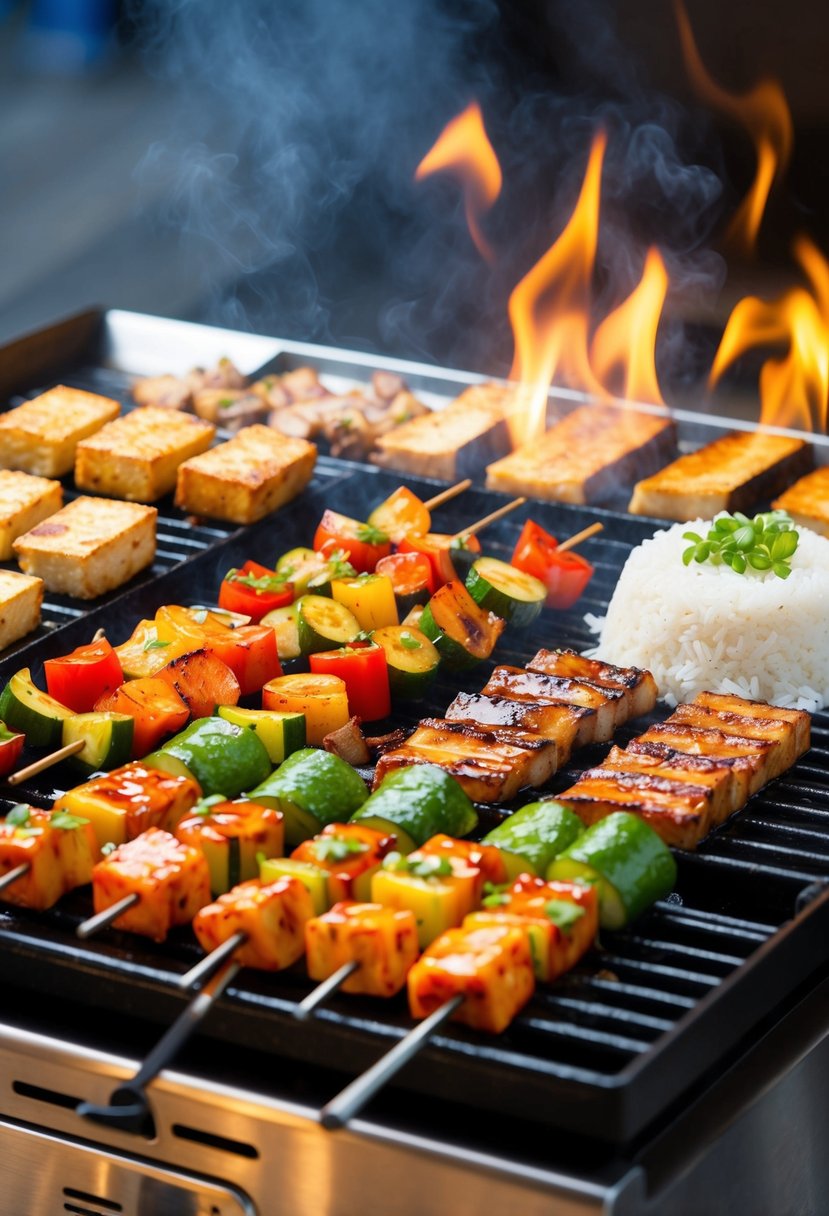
x=281, y=733
x=533, y=836
x=462, y=631
x=24, y=708
x=283, y=621
x=313, y=878
x=412, y=661
x=107, y=739
x=168, y=763
x=509, y=593
x=224, y=758
x=304, y=565
x=323, y=624
x=419, y=801
x=631, y=864
x=312, y=788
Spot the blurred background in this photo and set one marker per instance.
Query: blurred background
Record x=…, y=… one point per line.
x=252, y=163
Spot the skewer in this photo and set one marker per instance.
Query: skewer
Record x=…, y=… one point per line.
x=38, y=766
x=446, y=495
x=351, y=1100
x=102, y=920
x=99, y=634
x=480, y=524
x=323, y=990
x=206, y=967
x=585, y=534
x=18, y=872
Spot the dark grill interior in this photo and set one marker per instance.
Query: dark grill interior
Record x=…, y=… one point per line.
x=611, y=1045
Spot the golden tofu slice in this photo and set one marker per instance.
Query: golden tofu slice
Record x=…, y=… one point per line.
x=91, y=546
x=599, y=708
x=678, y=811
x=137, y=456
x=748, y=758
x=24, y=501
x=20, y=599
x=807, y=501
x=453, y=442
x=787, y=729
x=246, y=478
x=41, y=436
x=556, y=722
x=587, y=457
x=731, y=474
x=726, y=788
x=638, y=685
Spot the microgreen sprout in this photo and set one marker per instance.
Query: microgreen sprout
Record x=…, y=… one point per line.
x=766, y=542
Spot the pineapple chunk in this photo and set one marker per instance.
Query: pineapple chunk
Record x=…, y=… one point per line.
x=382, y=940
x=439, y=890
x=122, y=804
x=41, y=436
x=24, y=502
x=350, y=854
x=271, y=915
x=232, y=835
x=171, y=880
x=489, y=967
x=60, y=858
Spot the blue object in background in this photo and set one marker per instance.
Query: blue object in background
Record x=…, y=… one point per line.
x=68, y=36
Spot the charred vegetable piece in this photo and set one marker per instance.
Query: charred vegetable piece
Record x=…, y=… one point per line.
x=60, y=850
x=383, y=941
x=369, y=597
x=506, y=591
x=349, y=854
x=438, y=888
x=255, y=590
x=490, y=967
x=222, y=757
x=363, y=543
x=400, y=514
x=232, y=836
x=281, y=733
x=323, y=624
x=202, y=681
x=171, y=881
x=271, y=915
x=144, y=654
x=417, y=803
x=24, y=708
x=248, y=650
x=124, y=803
x=529, y=839
x=449, y=556
x=155, y=707
x=463, y=633
x=311, y=789
x=363, y=669
x=322, y=699
x=78, y=679
x=411, y=578
x=412, y=661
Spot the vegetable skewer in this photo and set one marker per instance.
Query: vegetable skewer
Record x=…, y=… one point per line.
x=323, y=990
x=446, y=495
x=39, y=766
x=12, y=876
x=493, y=517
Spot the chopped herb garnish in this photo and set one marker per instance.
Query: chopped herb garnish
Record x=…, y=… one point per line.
x=428, y=865
x=200, y=616
x=346, y=423
x=259, y=582
x=154, y=644
x=365, y=635
x=205, y=805
x=66, y=822
x=563, y=913
x=338, y=848
x=225, y=403
x=496, y=900
x=461, y=541
x=371, y=535
x=108, y=848
x=408, y=642
x=766, y=542
x=19, y=815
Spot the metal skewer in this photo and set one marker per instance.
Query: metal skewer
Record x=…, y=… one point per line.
x=206, y=967
x=445, y=495
x=38, y=766
x=480, y=524
x=18, y=872
x=102, y=920
x=323, y=990
x=585, y=534
x=351, y=1100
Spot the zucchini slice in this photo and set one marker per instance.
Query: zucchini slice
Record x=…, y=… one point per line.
x=412, y=661
x=224, y=758
x=462, y=631
x=532, y=837
x=281, y=733
x=107, y=739
x=509, y=593
x=24, y=708
x=304, y=565
x=323, y=624
x=284, y=623
x=416, y=803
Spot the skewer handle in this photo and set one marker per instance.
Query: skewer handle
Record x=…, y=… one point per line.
x=323, y=990
x=445, y=495
x=480, y=524
x=351, y=1100
x=206, y=967
x=585, y=534
x=102, y=920
x=38, y=766
x=13, y=875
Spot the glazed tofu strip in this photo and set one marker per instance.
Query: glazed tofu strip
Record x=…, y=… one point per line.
x=638, y=686
x=601, y=709
x=748, y=758
x=787, y=729
x=557, y=722
x=679, y=811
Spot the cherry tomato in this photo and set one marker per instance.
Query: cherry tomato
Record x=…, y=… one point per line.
x=364, y=543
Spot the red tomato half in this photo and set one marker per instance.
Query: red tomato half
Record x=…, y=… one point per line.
x=363, y=667
x=364, y=544
x=565, y=575
x=254, y=590
x=409, y=573
x=78, y=679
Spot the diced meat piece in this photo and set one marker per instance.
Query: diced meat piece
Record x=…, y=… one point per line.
x=224, y=375
x=348, y=742
x=387, y=384
x=229, y=408
x=167, y=392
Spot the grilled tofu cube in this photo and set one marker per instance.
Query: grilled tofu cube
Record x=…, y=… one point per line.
x=453, y=442
x=246, y=478
x=486, y=857
x=350, y=854
x=638, y=686
x=20, y=599
x=492, y=764
x=24, y=502
x=560, y=918
x=726, y=781
x=89, y=547
x=731, y=474
x=788, y=729
x=587, y=457
x=490, y=967
x=439, y=891
x=272, y=916
x=59, y=858
x=137, y=456
x=807, y=501
x=748, y=758
x=595, y=709
x=171, y=880
x=556, y=722
x=126, y=802
x=41, y=436
x=233, y=835
x=383, y=941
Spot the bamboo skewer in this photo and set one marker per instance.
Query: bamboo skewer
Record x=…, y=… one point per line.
x=38, y=766
x=585, y=534
x=480, y=524
x=102, y=920
x=323, y=990
x=446, y=495
x=18, y=872
x=206, y=967
x=351, y=1100
x=99, y=634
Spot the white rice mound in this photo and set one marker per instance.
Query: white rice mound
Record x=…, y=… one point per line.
x=703, y=627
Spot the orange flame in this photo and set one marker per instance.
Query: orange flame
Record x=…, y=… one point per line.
x=794, y=388
x=463, y=150
x=763, y=111
x=626, y=340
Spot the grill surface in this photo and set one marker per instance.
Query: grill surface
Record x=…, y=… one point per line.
x=612, y=1045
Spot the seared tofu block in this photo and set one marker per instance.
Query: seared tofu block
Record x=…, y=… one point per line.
x=726, y=790
x=749, y=759
x=492, y=764
x=137, y=456
x=556, y=722
x=171, y=880
x=20, y=599
x=588, y=457
x=788, y=729
x=454, y=442
x=91, y=546
x=24, y=502
x=246, y=478
x=678, y=811
x=598, y=708
x=730, y=474
x=126, y=802
x=807, y=501
x=638, y=686
x=272, y=915
x=42, y=435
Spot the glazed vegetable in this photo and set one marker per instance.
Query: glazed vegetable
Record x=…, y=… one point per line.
x=78, y=679
x=107, y=739
x=401, y=514
x=382, y=941
x=312, y=572
x=60, y=850
x=349, y=854
x=311, y=789
x=463, y=633
x=416, y=803
x=232, y=835
x=439, y=889
x=255, y=590
x=369, y=597
x=508, y=592
x=565, y=575
x=143, y=654
x=24, y=708
x=222, y=757
x=272, y=917
x=363, y=669
x=312, y=877
x=248, y=650
x=529, y=839
x=155, y=707
x=322, y=699
x=766, y=542
x=412, y=661
x=122, y=804
x=202, y=681
x=363, y=543
x=11, y=745
x=281, y=733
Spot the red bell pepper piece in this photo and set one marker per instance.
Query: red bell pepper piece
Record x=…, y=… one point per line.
x=363, y=668
x=11, y=745
x=439, y=548
x=565, y=575
x=254, y=590
x=364, y=543
x=250, y=653
x=78, y=679
x=410, y=573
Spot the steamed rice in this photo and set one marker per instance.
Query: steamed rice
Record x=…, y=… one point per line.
x=703, y=627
